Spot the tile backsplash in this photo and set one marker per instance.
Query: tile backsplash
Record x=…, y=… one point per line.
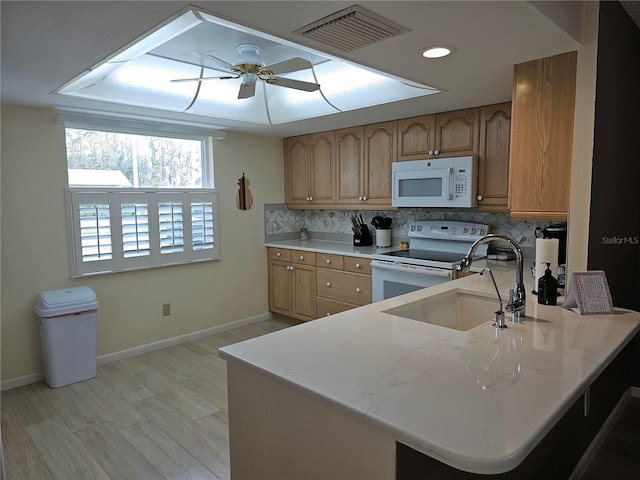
x=284, y=224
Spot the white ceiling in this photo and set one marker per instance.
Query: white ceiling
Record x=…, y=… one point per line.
x=46, y=44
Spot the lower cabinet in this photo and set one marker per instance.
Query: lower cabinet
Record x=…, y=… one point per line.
x=307, y=285
x=292, y=283
x=343, y=283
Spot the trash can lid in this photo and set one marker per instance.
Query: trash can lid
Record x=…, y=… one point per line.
x=53, y=303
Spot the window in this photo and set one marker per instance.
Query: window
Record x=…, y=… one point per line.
x=138, y=201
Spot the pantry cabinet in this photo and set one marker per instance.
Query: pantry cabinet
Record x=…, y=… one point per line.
x=542, y=137
x=310, y=170
x=292, y=283
x=448, y=134
x=493, y=164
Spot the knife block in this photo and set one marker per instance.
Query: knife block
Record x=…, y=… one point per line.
x=362, y=239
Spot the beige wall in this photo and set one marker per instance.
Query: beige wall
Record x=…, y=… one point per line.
x=35, y=256
x=582, y=159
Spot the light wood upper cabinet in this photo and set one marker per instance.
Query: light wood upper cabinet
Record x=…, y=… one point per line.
x=364, y=158
x=322, y=167
x=493, y=165
x=448, y=134
x=350, y=165
x=457, y=133
x=296, y=170
x=380, y=151
x=416, y=137
x=542, y=137
x=310, y=169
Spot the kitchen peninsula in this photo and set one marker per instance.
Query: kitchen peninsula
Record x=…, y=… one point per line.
x=348, y=395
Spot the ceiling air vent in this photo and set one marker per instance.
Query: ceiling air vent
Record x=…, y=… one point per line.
x=351, y=28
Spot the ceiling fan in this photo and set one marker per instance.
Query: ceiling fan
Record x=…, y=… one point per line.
x=251, y=68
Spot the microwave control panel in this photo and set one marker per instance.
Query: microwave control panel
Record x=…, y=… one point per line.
x=461, y=183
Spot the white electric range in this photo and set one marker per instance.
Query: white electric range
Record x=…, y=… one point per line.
x=436, y=247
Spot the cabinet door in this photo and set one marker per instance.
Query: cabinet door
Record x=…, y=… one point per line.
x=280, y=287
x=322, y=167
x=493, y=165
x=296, y=170
x=457, y=133
x=303, y=301
x=416, y=137
x=350, y=165
x=380, y=152
x=542, y=137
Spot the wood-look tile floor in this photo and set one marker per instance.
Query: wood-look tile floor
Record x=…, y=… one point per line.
x=159, y=415
x=618, y=457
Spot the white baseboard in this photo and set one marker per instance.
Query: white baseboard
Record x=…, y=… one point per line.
x=149, y=347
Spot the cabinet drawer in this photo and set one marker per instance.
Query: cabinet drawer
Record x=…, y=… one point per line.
x=357, y=265
x=279, y=254
x=344, y=286
x=305, y=258
x=326, y=307
x=327, y=260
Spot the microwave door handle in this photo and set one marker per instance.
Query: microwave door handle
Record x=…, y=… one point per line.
x=447, y=184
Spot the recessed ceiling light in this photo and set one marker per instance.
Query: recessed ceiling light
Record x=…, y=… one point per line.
x=437, y=52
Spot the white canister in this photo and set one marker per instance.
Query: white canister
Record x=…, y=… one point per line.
x=383, y=238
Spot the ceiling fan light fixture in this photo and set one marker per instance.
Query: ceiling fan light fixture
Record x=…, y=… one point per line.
x=438, y=51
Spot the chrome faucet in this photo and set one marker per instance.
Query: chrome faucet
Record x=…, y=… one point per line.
x=517, y=296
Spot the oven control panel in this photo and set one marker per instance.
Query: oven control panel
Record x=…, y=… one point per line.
x=447, y=230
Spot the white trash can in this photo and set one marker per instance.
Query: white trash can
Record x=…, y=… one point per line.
x=68, y=324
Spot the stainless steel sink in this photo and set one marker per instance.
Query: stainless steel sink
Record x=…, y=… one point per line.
x=457, y=309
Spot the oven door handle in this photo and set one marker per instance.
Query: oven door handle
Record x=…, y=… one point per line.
x=417, y=269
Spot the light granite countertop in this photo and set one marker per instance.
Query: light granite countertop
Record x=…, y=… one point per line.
x=478, y=400
x=327, y=246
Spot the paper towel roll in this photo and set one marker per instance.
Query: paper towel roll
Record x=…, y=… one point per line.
x=546, y=252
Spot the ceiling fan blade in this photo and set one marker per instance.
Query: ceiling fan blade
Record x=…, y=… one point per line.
x=247, y=90
x=200, y=79
x=223, y=62
x=290, y=83
x=291, y=65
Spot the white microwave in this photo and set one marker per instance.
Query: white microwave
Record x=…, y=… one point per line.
x=438, y=182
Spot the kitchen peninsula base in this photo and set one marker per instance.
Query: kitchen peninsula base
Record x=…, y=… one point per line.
x=278, y=432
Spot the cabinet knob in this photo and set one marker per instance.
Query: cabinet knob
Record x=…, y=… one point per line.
x=307, y=199
x=328, y=284
x=328, y=314
x=301, y=257
x=291, y=268
x=328, y=261
x=278, y=254
x=358, y=290
x=360, y=198
x=479, y=197
x=357, y=265
x=430, y=152
x=311, y=199
x=436, y=152
x=364, y=199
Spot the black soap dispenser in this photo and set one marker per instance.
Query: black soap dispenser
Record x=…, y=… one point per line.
x=547, y=288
